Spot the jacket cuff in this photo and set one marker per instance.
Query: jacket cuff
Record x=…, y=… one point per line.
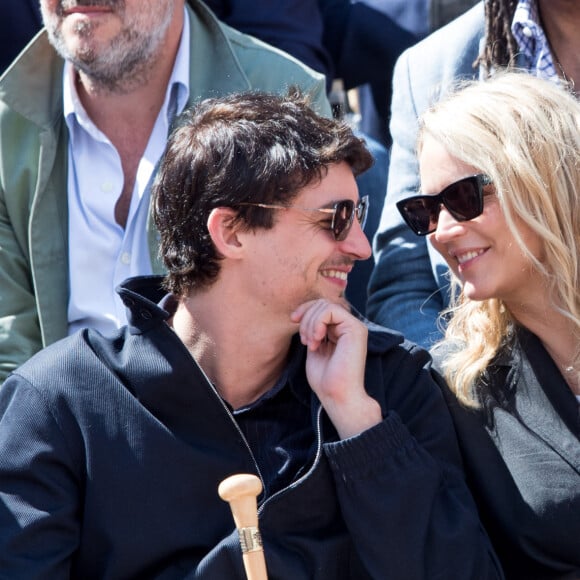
x=373, y=447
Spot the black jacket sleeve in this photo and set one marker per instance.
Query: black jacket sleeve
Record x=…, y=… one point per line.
x=401, y=484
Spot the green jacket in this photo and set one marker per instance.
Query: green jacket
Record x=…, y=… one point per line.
x=34, y=283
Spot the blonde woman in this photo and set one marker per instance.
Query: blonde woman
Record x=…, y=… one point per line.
x=500, y=172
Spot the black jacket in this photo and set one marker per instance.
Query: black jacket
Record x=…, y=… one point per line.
x=111, y=452
x=521, y=452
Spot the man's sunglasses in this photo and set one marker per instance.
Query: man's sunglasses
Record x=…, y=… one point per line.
x=462, y=199
x=343, y=214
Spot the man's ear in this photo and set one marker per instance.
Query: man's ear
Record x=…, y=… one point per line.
x=223, y=228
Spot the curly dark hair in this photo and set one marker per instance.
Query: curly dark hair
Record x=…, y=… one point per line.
x=243, y=148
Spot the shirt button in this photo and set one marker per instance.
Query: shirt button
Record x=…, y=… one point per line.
x=527, y=31
x=126, y=258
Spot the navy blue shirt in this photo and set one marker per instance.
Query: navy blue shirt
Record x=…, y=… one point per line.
x=278, y=428
x=294, y=26
x=20, y=21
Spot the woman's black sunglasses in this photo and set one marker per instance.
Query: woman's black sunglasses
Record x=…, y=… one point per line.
x=462, y=199
x=343, y=214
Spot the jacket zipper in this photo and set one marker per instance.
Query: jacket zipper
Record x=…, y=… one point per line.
x=315, y=463
x=294, y=484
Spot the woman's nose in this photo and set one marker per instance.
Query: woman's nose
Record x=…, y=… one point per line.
x=447, y=226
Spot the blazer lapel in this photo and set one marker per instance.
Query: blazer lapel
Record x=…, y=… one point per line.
x=543, y=400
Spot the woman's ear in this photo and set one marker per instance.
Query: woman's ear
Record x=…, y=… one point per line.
x=223, y=228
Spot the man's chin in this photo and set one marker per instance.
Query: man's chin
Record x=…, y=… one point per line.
x=337, y=299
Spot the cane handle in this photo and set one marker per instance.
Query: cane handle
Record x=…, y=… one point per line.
x=241, y=491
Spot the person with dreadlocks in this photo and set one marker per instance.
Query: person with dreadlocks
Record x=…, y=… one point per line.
x=409, y=284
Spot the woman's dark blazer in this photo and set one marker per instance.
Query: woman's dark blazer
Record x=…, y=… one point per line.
x=522, y=457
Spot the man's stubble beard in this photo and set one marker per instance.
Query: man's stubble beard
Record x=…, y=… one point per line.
x=124, y=64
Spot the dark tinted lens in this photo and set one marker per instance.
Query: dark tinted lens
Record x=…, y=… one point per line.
x=463, y=199
x=420, y=213
x=342, y=220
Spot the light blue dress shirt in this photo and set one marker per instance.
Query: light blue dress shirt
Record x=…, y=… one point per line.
x=101, y=253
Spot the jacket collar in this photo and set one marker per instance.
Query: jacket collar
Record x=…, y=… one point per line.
x=538, y=395
x=156, y=367
x=141, y=296
x=32, y=85
x=546, y=375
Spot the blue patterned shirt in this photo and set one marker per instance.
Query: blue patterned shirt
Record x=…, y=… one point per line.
x=533, y=42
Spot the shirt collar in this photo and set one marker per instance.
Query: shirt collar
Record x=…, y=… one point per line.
x=176, y=96
x=532, y=40
x=295, y=357
x=180, y=74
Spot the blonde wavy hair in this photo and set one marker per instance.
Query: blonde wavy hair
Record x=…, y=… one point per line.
x=524, y=133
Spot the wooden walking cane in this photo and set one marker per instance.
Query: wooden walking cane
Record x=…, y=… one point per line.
x=241, y=491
